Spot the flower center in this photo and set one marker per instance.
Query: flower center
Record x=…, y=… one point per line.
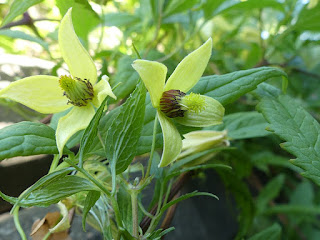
x=194, y=102
x=175, y=103
x=78, y=91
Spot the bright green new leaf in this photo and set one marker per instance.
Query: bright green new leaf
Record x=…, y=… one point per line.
x=49, y=94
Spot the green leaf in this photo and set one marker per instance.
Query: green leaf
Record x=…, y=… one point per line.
x=184, y=197
x=243, y=198
x=120, y=19
x=90, y=201
x=271, y=233
x=124, y=132
x=178, y=6
x=145, y=140
x=126, y=76
x=43, y=182
x=17, y=8
x=298, y=128
x=269, y=192
x=247, y=5
x=308, y=19
x=27, y=138
x=24, y=36
x=84, y=18
x=90, y=133
x=243, y=125
x=124, y=201
x=229, y=87
x=293, y=209
x=54, y=191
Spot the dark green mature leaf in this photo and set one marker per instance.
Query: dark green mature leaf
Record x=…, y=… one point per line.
x=54, y=191
x=229, y=87
x=243, y=125
x=90, y=201
x=124, y=201
x=24, y=36
x=298, y=128
x=124, y=132
x=90, y=134
x=126, y=76
x=27, y=138
x=17, y=8
x=269, y=192
x=271, y=233
x=42, y=182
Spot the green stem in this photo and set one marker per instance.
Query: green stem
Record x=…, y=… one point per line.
x=116, y=211
x=17, y=223
x=92, y=179
x=54, y=163
x=135, y=221
x=152, y=146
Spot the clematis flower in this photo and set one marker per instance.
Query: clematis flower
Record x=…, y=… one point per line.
x=172, y=102
x=79, y=91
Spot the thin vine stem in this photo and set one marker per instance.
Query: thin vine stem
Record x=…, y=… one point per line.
x=54, y=163
x=152, y=146
x=17, y=224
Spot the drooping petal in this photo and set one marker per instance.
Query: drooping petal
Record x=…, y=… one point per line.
x=211, y=115
x=101, y=90
x=41, y=93
x=153, y=74
x=172, y=142
x=77, y=119
x=190, y=69
x=74, y=54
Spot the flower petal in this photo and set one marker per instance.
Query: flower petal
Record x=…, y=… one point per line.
x=190, y=69
x=74, y=54
x=41, y=93
x=172, y=142
x=212, y=115
x=77, y=119
x=101, y=90
x=153, y=74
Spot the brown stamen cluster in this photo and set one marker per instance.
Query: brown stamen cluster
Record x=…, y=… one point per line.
x=170, y=103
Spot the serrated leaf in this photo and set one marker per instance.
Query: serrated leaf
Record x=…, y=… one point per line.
x=298, y=128
x=243, y=125
x=26, y=139
x=17, y=8
x=271, y=233
x=90, y=133
x=24, y=36
x=90, y=201
x=229, y=87
x=124, y=133
x=54, y=191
